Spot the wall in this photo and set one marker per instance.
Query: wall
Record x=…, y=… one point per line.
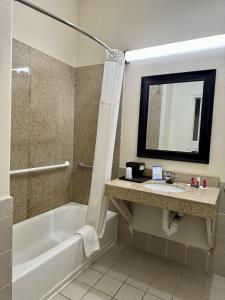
x=42, y=130
x=136, y=24
x=5, y=103
x=88, y=91
x=131, y=99
x=45, y=34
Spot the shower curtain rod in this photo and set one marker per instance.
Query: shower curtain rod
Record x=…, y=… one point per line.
x=43, y=11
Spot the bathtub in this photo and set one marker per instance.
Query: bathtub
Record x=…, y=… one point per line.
x=47, y=254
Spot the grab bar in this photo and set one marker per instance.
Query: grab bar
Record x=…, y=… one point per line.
x=39, y=169
x=82, y=165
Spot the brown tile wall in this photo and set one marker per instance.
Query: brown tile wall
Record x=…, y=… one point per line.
x=5, y=249
x=88, y=91
x=42, y=130
x=213, y=261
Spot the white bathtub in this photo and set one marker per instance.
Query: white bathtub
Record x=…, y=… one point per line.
x=47, y=254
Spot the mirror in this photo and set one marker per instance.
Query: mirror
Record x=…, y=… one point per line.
x=176, y=116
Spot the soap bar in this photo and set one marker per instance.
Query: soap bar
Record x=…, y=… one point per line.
x=157, y=172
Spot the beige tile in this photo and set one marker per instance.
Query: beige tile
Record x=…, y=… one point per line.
x=150, y=297
x=87, y=99
x=194, y=274
x=124, y=236
x=214, y=293
x=142, y=276
x=164, y=284
x=96, y=295
x=89, y=277
x=20, y=107
x=140, y=241
x=128, y=292
x=157, y=246
x=219, y=245
x=5, y=234
x=181, y=294
x=174, y=266
x=19, y=192
x=119, y=272
x=6, y=268
x=155, y=260
x=75, y=290
x=188, y=284
x=217, y=264
x=176, y=252
x=215, y=280
x=59, y=297
x=6, y=207
x=197, y=258
x=102, y=265
x=6, y=292
x=220, y=224
x=108, y=285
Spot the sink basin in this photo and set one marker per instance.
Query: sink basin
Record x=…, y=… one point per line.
x=162, y=187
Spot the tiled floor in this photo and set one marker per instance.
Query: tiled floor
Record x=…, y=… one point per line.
x=124, y=273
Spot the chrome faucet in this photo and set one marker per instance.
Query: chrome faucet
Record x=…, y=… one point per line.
x=171, y=178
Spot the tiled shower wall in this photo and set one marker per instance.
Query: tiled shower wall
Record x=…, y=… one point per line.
x=42, y=130
x=51, y=124
x=88, y=91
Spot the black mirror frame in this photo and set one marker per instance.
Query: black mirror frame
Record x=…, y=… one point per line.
x=208, y=76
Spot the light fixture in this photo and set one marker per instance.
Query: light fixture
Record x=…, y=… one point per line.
x=206, y=43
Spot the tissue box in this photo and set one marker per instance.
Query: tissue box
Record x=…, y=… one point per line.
x=137, y=168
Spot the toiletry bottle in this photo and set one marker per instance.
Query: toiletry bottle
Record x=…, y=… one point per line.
x=198, y=181
x=192, y=181
x=204, y=185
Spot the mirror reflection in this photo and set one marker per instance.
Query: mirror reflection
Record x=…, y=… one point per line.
x=174, y=116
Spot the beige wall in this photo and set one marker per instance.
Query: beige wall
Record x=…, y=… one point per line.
x=133, y=24
x=45, y=34
x=131, y=100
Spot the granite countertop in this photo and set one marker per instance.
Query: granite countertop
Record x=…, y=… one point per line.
x=197, y=202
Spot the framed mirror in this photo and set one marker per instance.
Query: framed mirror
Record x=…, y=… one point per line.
x=175, y=116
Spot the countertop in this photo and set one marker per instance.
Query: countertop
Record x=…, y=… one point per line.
x=193, y=201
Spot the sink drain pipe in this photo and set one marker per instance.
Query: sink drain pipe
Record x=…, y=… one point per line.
x=170, y=221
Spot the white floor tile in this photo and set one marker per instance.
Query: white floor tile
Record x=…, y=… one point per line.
x=215, y=280
x=194, y=286
x=75, y=290
x=194, y=274
x=96, y=295
x=108, y=285
x=128, y=292
x=151, y=297
x=181, y=294
x=214, y=293
x=59, y=297
x=89, y=277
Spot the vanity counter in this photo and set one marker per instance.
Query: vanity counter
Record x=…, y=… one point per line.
x=193, y=201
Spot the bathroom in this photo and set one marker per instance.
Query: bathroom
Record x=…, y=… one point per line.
x=157, y=240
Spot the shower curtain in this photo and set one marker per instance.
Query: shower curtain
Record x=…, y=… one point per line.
x=105, y=141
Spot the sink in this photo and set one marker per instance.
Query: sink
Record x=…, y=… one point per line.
x=163, y=187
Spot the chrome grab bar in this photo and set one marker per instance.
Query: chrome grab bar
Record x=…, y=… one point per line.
x=39, y=169
x=82, y=165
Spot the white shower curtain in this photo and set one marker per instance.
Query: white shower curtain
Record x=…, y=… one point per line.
x=105, y=141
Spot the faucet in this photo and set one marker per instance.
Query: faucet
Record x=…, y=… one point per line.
x=170, y=178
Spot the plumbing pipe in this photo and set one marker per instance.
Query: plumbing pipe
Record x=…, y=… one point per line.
x=169, y=228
